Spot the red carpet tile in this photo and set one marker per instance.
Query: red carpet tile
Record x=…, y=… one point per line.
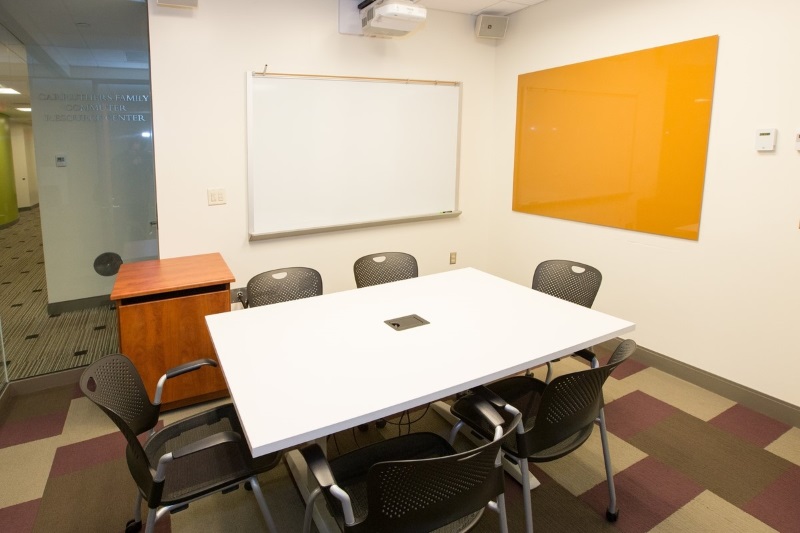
x=88, y=453
x=635, y=412
x=19, y=518
x=777, y=505
x=750, y=425
x=657, y=490
x=40, y=427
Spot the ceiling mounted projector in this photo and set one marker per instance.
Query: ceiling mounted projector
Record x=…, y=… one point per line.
x=391, y=18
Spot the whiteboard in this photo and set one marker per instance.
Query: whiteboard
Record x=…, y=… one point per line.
x=331, y=153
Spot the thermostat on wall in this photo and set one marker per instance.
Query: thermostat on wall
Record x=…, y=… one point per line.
x=765, y=139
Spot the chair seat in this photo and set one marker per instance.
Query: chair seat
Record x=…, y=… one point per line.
x=206, y=471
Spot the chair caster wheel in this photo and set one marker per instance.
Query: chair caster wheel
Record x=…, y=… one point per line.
x=363, y=427
x=612, y=517
x=133, y=526
x=380, y=424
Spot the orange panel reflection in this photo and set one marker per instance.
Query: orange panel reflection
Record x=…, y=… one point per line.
x=619, y=141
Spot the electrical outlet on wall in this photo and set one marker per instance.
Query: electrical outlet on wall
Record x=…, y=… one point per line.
x=452, y=258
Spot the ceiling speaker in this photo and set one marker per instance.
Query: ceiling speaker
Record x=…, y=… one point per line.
x=178, y=3
x=491, y=26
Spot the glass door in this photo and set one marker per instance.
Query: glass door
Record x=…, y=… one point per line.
x=84, y=174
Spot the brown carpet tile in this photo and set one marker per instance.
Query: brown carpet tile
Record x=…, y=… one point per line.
x=64, y=469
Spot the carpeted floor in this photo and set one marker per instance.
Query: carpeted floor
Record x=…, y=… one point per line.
x=685, y=460
x=36, y=342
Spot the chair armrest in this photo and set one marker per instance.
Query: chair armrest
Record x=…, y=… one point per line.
x=321, y=470
x=177, y=371
x=189, y=367
x=490, y=396
x=479, y=414
x=318, y=465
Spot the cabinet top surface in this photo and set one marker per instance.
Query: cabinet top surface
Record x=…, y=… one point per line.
x=163, y=275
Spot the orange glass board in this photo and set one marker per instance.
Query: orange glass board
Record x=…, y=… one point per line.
x=619, y=141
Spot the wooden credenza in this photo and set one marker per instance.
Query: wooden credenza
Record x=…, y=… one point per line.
x=162, y=305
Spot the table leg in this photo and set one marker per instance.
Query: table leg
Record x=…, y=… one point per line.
x=443, y=410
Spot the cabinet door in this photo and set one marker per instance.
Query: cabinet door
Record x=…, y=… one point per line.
x=163, y=333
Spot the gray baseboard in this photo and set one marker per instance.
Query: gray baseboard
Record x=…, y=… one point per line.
x=9, y=224
x=39, y=383
x=750, y=398
x=56, y=308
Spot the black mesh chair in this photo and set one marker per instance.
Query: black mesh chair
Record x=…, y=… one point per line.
x=281, y=285
x=572, y=281
x=557, y=418
x=376, y=269
x=415, y=482
x=182, y=462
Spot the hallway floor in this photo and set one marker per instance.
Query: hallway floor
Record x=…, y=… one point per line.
x=36, y=342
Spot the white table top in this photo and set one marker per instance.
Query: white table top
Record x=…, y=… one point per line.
x=304, y=369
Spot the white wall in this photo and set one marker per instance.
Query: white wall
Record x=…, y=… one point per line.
x=727, y=303
x=199, y=60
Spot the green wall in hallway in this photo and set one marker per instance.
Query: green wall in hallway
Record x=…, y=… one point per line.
x=8, y=190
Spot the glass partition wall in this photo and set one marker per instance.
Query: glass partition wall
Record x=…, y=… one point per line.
x=83, y=164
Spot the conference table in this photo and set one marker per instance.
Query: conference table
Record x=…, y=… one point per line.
x=298, y=371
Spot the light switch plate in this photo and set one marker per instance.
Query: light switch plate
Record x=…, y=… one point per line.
x=216, y=196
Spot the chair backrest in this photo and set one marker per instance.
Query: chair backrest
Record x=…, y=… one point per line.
x=282, y=285
x=113, y=384
x=569, y=405
x=375, y=269
x=426, y=494
x=569, y=280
